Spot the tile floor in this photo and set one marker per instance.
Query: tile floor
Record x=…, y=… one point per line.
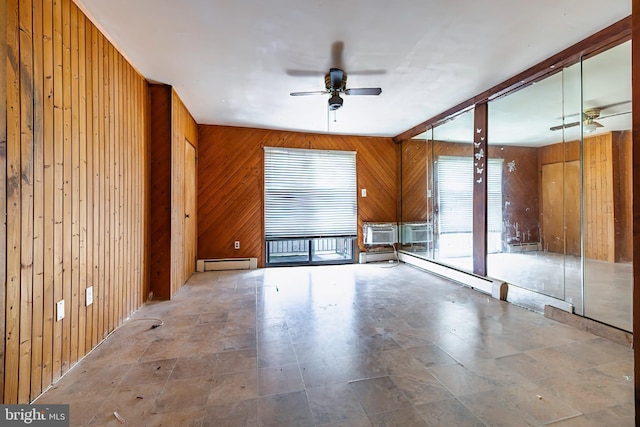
x=353, y=345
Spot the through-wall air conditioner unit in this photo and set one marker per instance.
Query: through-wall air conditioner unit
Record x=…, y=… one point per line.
x=380, y=233
x=417, y=232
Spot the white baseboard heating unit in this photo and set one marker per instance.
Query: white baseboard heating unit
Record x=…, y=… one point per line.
x=380, y=233
x=227, y=264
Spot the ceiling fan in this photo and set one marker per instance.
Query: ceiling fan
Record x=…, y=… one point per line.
x=589, y=119
x=335, y=84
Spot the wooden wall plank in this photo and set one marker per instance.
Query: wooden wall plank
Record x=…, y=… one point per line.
x=58, y=207
x=73, y=318
x=67, y=204
x=49, y=190
x=480, y=189
x=623, y=195
x=82, y=184
x=3, y=179
x=12, y=310
x=89, y=231
x=414, y=181
x=160, y=225
x=38, y=202
x=97, y=236
x=26, y=192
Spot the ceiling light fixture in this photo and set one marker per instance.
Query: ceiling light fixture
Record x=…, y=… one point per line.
x=590, y=127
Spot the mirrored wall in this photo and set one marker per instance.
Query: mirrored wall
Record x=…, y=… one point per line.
x=559, y=214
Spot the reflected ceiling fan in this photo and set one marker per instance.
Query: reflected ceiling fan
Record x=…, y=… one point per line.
x=335, y=84
x=589, y=117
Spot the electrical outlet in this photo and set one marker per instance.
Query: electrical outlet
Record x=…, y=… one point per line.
x=89, y=296
x=364, y=192
x=236, y=244
x=60, y=310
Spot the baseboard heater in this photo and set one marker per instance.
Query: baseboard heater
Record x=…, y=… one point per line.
x=524, y=247
x=227, y=264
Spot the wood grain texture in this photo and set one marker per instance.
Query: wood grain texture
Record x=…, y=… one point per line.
x=160, y=221
x=230, y=184
x=3, y=181
x=623, y=195
x=75, y=115
x=606, y=187
x=414, y=181
x=183, y=129
x=599, y=234
x=170, y=231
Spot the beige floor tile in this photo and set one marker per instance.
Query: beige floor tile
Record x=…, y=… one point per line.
x=421, y=387
x=236, y=361
x=194, y=367
x=279, y=379
x=236, y=386
x=181, y=395
x=378, y=395
x=431, y=355
x=156, y=371
x=334, y=404
x=130, y=402
x=406, y=416
x=290, y=409
x=461, y=381
x=446, y=413
x=235, y=414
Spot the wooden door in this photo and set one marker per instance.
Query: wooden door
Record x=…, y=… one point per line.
x=561, y=207
x=189, y=235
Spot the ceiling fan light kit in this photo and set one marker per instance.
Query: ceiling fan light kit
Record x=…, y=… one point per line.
x=335, y=82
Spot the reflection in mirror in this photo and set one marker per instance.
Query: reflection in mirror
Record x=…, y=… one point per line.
x=416, y=227
x=566, y=195
x=453, y=169
x=607, y=182
x=532, y=248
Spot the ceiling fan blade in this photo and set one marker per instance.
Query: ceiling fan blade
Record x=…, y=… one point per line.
x=317, y=92
x=568, y=125
x=614, y=115
x=336, y=78
x=598, y=125
x=364, y=91
x=305, y=73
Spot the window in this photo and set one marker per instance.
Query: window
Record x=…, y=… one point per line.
x=455, y=199
x=310, y=205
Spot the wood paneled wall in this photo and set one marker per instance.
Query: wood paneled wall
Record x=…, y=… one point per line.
x=623, y=194
x=160, y=204
x=183, y=130
x=76, y=168
x=607, y=191
x=597, y=182
x=230, y=184
x=171, y=128
x=414, y=180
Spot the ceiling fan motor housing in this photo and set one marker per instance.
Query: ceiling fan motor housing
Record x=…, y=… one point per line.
x=335, y=102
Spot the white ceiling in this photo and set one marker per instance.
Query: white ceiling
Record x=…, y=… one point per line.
x=235, y=62
x=524, y=118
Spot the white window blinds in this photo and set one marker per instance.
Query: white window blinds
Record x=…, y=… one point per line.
x=309, y=193
x=455, y=194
